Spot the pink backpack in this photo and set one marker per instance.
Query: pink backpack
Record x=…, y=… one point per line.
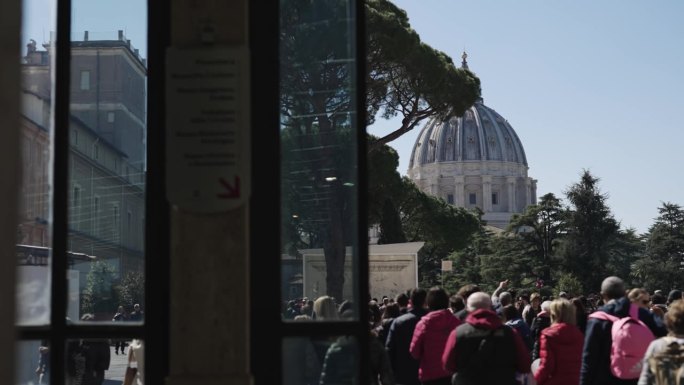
x=631, y=338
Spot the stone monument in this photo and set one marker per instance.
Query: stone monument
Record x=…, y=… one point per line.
x=393, y=269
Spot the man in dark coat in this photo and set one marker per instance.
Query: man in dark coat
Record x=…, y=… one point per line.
x=97, y=361
x=484, y=351
x=399, y=338
x=97, y=357
x=137, y=314
x=598, y=340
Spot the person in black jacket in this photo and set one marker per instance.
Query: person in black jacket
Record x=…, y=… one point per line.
x=137, y=314
x=390, y=313
x=120, y=316
x=97, y=357
x=540, y=322
x=399, y=338
x=598, y=340
x=339, y=366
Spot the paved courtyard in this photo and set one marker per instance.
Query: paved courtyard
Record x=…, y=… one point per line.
x=117, y=368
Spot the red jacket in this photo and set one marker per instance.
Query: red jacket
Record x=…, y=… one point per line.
x=428, y=342
x=561, y=355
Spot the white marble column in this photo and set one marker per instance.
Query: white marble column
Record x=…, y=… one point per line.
x=528, y=192
x=511, y=182
x=459, y=193
x=10, y=18
x=487, y=193
x=210, y=313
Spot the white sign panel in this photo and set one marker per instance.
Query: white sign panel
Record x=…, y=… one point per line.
x=447, y=265
x=207, y=121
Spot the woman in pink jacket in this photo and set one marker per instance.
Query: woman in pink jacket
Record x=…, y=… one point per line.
x=430, y=336
x=561, y=347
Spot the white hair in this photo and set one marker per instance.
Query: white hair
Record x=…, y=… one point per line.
x=479, y=300
x=613, y=287
x=546, y=306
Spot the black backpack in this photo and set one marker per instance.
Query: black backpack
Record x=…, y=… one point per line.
x=497, y=346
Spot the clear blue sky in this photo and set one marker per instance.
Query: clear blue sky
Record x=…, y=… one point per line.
x=594, y=85
x=102, y=18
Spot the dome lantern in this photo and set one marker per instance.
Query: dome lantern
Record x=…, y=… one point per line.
x=464, y=63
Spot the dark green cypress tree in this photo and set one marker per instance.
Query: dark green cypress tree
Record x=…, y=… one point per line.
x=390, y=225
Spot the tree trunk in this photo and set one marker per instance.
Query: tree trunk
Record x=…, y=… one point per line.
x=335, y=256
x=334, y=247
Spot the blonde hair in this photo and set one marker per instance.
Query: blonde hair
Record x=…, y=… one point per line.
x=325, y=310
x=674, y=318
x=637, y=294
x=563, y=311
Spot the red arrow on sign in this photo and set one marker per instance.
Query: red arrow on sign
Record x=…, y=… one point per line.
x=232, y=191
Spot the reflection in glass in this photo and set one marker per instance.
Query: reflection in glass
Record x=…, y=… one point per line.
x=32, y=363
x=35, y=217
x=320, y=360
x=318, y=151
x=95, y=361
x=108, y=130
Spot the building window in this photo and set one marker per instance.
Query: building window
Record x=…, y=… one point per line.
x=76, y=207
x=450, y=199
x=85, y=80
x=472, y=198
x=110, y=117
x=26, y=153
x=77, y=196
x=96, y=214
x=129, y=223
x=115, y=219
x=495, y=198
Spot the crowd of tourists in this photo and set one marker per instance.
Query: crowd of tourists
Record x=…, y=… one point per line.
x=471, y=337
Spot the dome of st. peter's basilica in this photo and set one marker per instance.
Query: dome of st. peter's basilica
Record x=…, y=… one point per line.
x=476, y=160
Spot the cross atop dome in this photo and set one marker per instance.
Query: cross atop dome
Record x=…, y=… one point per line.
x=464, y=63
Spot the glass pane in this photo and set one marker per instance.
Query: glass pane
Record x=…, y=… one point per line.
x=100, y=361
x=318, y=151
x=35, y=216
x=323, y=360
x=107, y=160
x=32, y=363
